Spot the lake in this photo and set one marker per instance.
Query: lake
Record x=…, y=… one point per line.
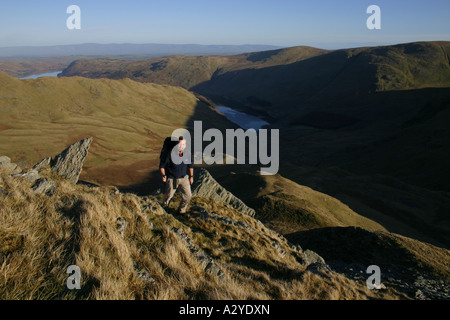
x=245, y=121
x=35, y=76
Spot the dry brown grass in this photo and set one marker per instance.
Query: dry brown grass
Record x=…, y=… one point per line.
x=41, y=236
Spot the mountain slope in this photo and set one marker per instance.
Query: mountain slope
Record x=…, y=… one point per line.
x=337, y=80
x=129, y=121
x=411, y=266
x=128, y=247
x=185, y=71
x=279, y=82
x=286, y=206
x=346, y=108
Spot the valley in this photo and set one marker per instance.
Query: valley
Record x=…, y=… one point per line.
x=350, y=120
x=363, y=179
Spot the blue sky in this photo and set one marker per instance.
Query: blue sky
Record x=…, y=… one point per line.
x=327, y=24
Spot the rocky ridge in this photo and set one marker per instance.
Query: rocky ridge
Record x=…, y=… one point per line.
x=206, y=186
x=69, y=164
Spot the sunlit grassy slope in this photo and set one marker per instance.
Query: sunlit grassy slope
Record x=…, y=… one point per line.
x=41, y=236
x=287, y=206
x=128, y=120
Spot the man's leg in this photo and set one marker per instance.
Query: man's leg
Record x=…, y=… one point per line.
x=185, y=189
x=168, y=192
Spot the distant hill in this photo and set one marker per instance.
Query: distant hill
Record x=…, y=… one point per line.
x=185, y=71
x=96, y=49
x=338, y=80
x=21, y=68
x=376, y=92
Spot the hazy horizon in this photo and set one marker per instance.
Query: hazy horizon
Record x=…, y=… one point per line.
x=323, y=24
x=326, y=46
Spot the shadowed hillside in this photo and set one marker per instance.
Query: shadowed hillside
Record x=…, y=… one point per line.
x=298, y=198
x=283, y=81
x=336, y=74
x=185, y=71
x=286, y=206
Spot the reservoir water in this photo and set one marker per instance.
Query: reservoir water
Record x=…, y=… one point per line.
x=35, y=76
x=245, y=121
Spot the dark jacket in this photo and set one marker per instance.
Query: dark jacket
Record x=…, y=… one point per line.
x=173, y=170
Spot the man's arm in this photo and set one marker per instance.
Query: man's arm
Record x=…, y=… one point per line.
x=191, y=169
x=163, y=174
x=162, y=167
x=191, y=175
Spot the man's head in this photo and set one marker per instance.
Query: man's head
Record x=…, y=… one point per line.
x=181, y=144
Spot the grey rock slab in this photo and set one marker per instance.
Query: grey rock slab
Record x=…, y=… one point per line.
x=207, y=187
x=69, y=163
x=30, y=176
x=44, y=186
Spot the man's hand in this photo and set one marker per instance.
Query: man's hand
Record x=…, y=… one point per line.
x=191, y=180
x=164, y=178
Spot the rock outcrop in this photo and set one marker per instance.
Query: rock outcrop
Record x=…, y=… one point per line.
x=42, y=164
x=44, y=186
x=204, y=215
x=121, y=225
x=11, y=168
x=30, y=176
x=205, y=260
x=69, y=163
x=207, y=187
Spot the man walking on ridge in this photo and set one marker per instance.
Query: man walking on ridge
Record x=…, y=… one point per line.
x=175, y=176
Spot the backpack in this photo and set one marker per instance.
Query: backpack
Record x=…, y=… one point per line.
x=167, y=147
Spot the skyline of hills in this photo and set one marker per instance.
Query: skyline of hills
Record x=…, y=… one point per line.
x=124, y=49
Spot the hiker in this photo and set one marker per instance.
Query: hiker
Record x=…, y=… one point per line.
x=175, y=176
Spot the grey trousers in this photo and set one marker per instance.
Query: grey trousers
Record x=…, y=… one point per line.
x=184, y=186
